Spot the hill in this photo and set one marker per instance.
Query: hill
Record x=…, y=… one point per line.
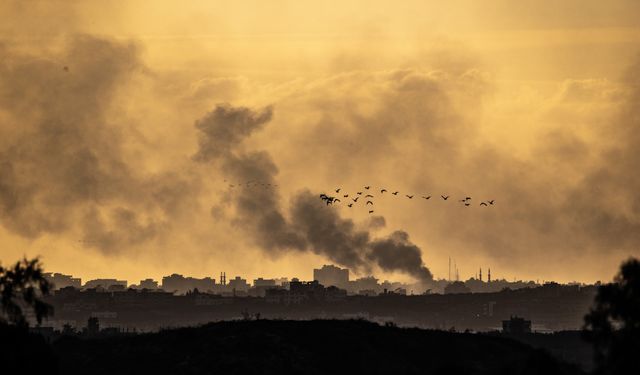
x=303, y=347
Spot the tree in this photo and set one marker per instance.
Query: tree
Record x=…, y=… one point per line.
x=613, y=323
x=22, y=286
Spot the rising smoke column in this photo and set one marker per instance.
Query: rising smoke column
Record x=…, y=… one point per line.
x=312, y=225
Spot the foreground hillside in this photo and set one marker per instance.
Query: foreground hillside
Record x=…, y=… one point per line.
x=303, y=347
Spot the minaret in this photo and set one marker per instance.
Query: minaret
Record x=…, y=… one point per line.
x=480, y=273
x=489, y=276
x=449, y=268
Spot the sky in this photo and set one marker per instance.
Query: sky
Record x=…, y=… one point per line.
x=123, y=125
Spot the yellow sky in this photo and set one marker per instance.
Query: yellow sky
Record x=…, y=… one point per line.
x=527, y=102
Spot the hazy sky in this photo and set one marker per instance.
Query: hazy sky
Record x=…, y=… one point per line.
x=120, y=165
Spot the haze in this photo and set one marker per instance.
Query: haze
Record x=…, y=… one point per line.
x=115, y=159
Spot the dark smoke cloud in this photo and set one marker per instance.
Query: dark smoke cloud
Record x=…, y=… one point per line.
x=329, y=234
x=225, y=127
x=311, y=225
x=62, y=157
x=257, y=209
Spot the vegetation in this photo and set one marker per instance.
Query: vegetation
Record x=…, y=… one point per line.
x=21, y=287
x=613, y=324
x=304, y=347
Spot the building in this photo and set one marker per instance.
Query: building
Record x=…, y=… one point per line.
x=180, y=285
x=516, y=326
x=148, y=284
x=60, y=281
x=260, y=287
x=331, y=275
x=369, y=283
x=105, y=283
x=260, y=282
x=238, y=284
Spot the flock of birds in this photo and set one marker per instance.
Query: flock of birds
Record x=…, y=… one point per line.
x=252, y=184
x=368, y=198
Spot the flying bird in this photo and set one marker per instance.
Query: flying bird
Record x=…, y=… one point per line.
x=491, y=201
x=368, y=196
x=371, y=211
x=467, y=198
x=359, y=193
x=346, y=196
x=445, y=197
x=428, y=197
x=395, y=193
x=409, y=196
x=336, y=200
x=356, y=199
x=369, y=202
x=383, y=191
x=467, y=204
x=367, y=187
x=337, y=190
x=483, y=204
x=350, y=205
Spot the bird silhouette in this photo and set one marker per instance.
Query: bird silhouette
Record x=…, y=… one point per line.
x=467, y=204
x=359, y=193
x=369, y=202
x=491, y=201
x=483, y=204
x=346, y=196
x=368, y=196
x=467, y=198
x=395, y=193
x=427, y=197
x=462, y=200
x=337, y=190
x=371, y=211
x=336, y=200
x=323, y=195
x=383, y=191
x=367, y=187
x=409, y=196
x=445, y=197
x=350, y=205
x=356, y=199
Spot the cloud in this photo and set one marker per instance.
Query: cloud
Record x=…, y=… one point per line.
x=63, y=161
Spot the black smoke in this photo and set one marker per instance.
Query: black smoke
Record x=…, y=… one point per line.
x=311, y=225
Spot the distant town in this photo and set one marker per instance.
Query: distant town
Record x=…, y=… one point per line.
x=476, y=304
x=328, y=275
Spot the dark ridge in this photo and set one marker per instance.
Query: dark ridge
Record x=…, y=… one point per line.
x=304, y=347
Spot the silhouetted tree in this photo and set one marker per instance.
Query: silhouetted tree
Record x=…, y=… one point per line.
x=613, y=324
x=22, y=286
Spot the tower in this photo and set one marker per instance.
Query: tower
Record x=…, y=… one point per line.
x=489, y=276
x=455, y=267
x=449, y=269
x=480, y=273
x=223, y=278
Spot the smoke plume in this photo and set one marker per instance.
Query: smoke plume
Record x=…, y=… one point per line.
x=311, y=225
